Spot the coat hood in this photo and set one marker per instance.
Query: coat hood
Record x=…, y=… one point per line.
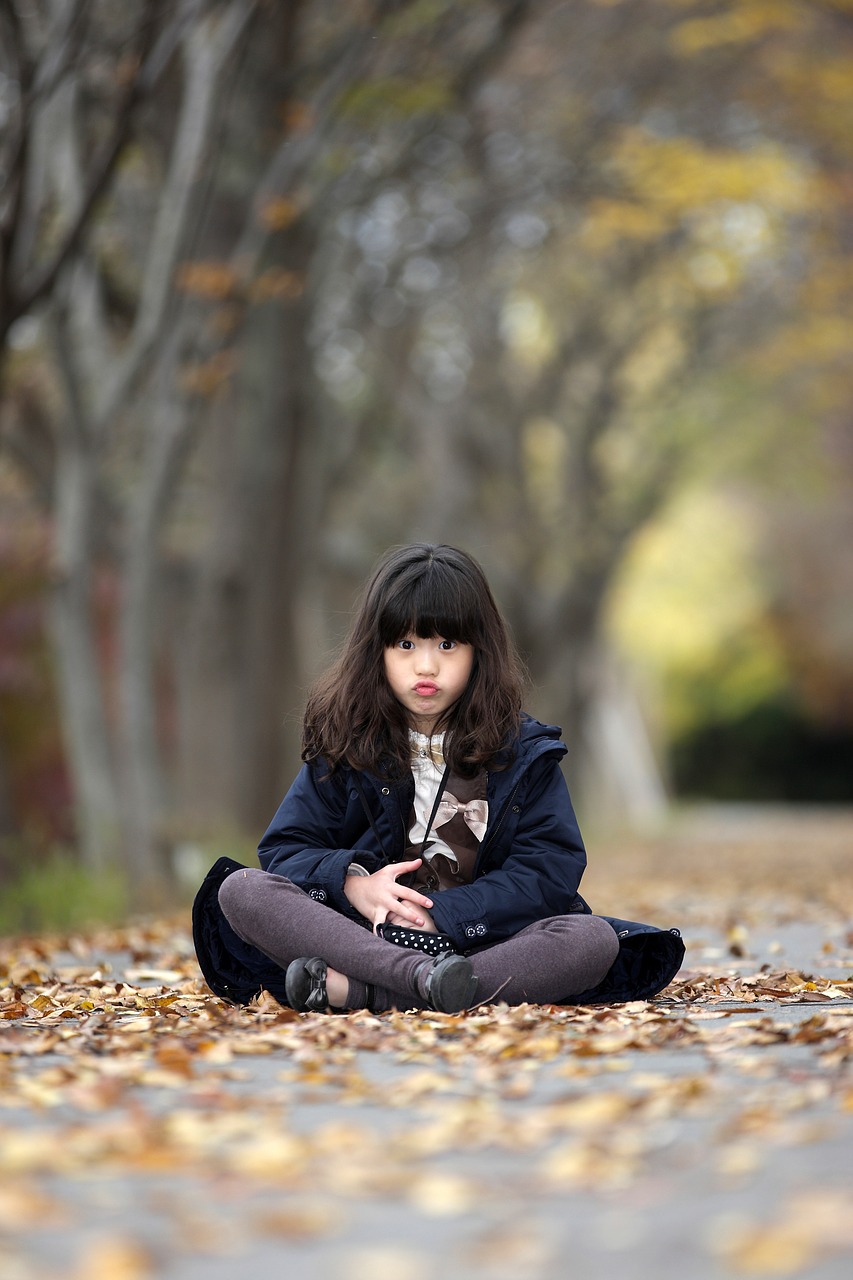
x=536, y=739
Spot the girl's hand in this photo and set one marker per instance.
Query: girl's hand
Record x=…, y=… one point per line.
x=428, y=926
x=378, y=897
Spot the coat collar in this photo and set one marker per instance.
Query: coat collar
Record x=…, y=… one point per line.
x=534, y=740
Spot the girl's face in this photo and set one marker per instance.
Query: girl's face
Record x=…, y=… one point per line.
x=428, y=676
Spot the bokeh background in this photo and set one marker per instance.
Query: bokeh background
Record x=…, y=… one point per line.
x=285, y=283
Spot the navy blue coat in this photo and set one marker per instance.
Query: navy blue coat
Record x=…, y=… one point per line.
x=530, y=861
x=529, y=866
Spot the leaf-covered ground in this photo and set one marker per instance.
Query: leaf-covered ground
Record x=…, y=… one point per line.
x=149, y=1130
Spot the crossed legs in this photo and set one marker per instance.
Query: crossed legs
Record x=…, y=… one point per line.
x=544, y=963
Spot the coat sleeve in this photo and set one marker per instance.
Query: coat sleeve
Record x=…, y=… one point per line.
x=539, y=876
x=312, y=838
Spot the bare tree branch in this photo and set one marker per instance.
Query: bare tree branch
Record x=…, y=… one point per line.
x=207, y=48
x=15, y=164
x=58, y=57
x=152, y=61
x=76, y=421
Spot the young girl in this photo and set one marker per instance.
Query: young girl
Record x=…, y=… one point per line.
x=431, y=810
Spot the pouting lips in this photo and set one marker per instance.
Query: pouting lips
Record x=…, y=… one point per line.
x=425, y=689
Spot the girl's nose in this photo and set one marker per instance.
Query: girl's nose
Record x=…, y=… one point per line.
x=426, y=662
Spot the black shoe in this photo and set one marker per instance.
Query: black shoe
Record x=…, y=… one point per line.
x=450, y=985
x=305, y=985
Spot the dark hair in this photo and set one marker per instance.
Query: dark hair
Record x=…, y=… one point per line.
x=424, y=590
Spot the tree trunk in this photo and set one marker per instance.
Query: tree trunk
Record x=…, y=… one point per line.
x=79, y=676
x=612, y=767
x=269, y=552
x=208, y=601
x=144, y=801
x=241, y=683
x=283, y=468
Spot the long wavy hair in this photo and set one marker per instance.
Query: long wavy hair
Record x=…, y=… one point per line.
x=425, y=590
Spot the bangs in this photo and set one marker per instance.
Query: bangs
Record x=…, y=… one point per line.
x=430, y=600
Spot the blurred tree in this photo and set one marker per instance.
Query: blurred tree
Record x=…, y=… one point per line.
x=33, y=799
x=633, y=214
x=394, y=70
x=83, y=54
x=404, y=269
x=43, y=48
x=142, y=366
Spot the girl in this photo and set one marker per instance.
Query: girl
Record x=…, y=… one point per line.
x=430, y=812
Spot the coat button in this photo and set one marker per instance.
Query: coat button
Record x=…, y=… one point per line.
x=516, y=808
x=386, y=791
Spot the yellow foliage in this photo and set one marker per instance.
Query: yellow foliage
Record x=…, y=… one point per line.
x=814, y=340
x=416, y=19
x=686, y=586
x=213, y=280
x=822, y=88
x=544, y=447
x=688, y=595
x=373, y=102
x=739, y=24
x=678, y=175
x=207, y=377
x=728, y=195
x=655, y=359
x=834, y=81
x=830, y=287
x=610, y=221
x=278, y=213
x=712, y=271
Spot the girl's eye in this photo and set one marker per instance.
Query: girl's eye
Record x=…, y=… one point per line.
x=447, y=645
x=406, y=644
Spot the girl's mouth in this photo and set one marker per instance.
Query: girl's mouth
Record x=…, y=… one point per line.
x=424, y=689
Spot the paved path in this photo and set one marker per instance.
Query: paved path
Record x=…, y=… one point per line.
x=707, y=1140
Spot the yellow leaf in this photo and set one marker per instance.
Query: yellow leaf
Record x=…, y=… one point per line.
x=116, y=1258
x=278, y=213
x=213, y=280
x=41, y=1003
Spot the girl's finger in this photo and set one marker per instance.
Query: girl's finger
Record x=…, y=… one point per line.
x=398, y=906
x=408, y=913
x=411, y=895
x=401, y=868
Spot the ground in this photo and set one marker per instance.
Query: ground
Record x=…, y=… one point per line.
x=149, y=1130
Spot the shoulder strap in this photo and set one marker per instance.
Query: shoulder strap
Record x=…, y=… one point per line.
x=439, y=793
x=366, y=807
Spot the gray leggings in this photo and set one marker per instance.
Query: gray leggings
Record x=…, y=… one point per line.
x=544, y=963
